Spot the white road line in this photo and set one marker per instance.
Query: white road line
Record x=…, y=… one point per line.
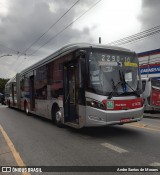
x=155, y=164
x=114, y=148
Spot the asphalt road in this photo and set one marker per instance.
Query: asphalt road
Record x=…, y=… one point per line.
x=40, y=143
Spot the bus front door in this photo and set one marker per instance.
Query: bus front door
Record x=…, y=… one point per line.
x=70, y=94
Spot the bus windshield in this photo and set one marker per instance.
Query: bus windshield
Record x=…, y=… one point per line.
x=115, y=73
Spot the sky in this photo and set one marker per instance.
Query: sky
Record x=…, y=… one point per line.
x=24, y=22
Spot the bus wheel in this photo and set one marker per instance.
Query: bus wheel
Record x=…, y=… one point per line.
x=26, y=108
x=57, y=116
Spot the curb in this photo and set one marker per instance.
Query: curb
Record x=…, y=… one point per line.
x=8, y=154
x=151, y=116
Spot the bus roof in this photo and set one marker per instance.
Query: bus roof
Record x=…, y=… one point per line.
x=70, y=48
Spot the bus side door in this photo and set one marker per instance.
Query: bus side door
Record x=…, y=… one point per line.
x=70, y=92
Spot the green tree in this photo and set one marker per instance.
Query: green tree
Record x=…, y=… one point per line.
x=2, y=84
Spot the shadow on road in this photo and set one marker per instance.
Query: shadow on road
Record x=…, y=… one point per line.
x=107, y=131
x=93, y=132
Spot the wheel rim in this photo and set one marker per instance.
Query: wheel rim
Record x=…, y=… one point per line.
x=27, y=110
x=58, y=116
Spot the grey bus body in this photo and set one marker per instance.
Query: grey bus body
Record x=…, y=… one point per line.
x=81, y=85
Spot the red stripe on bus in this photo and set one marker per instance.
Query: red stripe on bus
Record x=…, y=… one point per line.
x=123, y=104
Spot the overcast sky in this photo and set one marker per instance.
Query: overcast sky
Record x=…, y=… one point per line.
x=22, y=22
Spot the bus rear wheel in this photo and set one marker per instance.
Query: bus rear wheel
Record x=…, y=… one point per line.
x=26, y=108
x=57, y=116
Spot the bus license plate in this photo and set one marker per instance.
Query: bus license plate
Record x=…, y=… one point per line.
x=125, y=120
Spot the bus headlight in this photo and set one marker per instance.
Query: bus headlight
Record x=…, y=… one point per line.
x=96, y=104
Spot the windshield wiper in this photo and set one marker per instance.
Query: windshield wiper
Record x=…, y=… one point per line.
x=122, y=78
x=114, y=88
x=125, y=83
x=121, y=82
x=137, y=94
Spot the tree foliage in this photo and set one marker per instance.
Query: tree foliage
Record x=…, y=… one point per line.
x=2, y=84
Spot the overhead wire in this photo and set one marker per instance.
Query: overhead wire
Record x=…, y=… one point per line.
x=141, y=37
x=65, y=28
x=50, y=27
x=138, y=36
x=24, y=52
x=15, y=51
x=55, y=36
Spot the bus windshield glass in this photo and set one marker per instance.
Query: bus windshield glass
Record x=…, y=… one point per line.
x=115, y=73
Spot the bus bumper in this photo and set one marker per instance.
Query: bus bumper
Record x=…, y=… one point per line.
x=97, y=117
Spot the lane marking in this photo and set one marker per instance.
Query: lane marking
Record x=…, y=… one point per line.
x=114, y=148
x=143, y=126
x=13, y=150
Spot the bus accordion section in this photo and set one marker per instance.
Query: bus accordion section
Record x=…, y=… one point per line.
x=11, y=93
x=81, y=85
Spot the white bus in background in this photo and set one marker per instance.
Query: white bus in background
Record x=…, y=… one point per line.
x=81, y=85
x=150, y=73
x=151, y=93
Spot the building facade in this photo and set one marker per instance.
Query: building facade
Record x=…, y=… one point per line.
x=150, y=63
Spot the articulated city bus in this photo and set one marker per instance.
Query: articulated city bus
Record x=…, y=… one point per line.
x=151, y=93
x=81, y=85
